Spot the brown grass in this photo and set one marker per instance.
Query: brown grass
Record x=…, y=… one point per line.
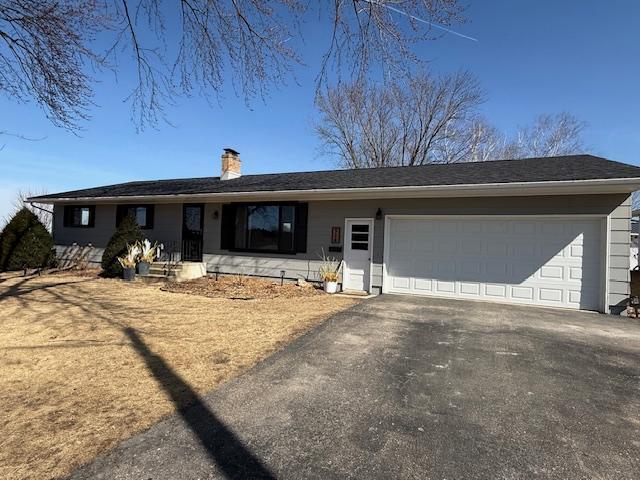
x=73, y=385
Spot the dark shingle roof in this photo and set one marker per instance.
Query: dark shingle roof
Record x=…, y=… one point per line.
x=566, y=168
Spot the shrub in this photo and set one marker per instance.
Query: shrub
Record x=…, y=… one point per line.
x=128, y=232
x=25, y=243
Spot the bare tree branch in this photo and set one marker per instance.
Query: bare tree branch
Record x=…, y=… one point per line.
x=429, y=119
x=44, y=54
x=46, y=47
x=412, y=122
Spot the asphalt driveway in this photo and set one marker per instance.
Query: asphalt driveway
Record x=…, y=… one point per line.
x=402, y=387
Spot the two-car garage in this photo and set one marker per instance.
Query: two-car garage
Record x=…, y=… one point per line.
x=547, y=261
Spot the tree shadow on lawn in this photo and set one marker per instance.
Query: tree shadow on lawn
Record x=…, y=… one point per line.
x=233, y=459
x=22, y=287
x=221, y=444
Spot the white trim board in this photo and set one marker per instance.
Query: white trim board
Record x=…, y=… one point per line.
x=572, y=187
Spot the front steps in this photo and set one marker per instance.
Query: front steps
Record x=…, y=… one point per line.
x=173, y=272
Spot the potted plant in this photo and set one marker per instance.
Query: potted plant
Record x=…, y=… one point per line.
x=128, y=262
x=148, y=254
x=328, y=273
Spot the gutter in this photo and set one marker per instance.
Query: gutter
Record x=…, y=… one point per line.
x=33, y=204
x=614, y=185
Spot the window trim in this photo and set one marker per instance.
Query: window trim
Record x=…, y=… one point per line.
x=150, y=209
x=67, y=220
x=298, y=206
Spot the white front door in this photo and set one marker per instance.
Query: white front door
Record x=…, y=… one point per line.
x=358, y=239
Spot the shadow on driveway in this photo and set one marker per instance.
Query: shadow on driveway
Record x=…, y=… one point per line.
x=401, y=387
x=222, y=446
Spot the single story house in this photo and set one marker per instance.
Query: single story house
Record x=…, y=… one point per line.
x=540, y=231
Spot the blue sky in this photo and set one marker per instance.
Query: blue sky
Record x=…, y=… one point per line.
x=532, y=57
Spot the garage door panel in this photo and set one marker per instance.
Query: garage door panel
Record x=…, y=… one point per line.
x=448, y=246
x=470, y=288
x=553, y=262
x=496, y=291
x=523, y=248
x=574, y=296
x=524, y=228
x=469, y=247
x=522, y=272
x=445, y=269
x=497, y=270
x=497, y=227
x=575, y=273
x=401, y=244
x=402, y=283
x=471, y=269
x=553, y=228
x=497, y=248
x=552, y=272
x=473, y=226
x=443, y=286
x=448, y=227
x=550, y=295
x=423, y=284
x=522, y=293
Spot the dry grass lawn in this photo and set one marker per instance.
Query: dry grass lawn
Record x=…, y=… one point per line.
x=73, y=382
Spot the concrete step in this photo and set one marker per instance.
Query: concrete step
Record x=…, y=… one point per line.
x=153, y=278
x=163, y=271
x=174, y=266
x=175, y=272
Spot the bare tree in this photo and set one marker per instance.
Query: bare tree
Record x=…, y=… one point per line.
x=42, y=211
x=47, y=48
x=484, y=142
x=425, y=119
x=430, y=119
x=549, y=135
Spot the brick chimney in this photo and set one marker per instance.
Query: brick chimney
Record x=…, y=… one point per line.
x=231, y=164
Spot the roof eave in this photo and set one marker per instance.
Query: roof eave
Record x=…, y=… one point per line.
x=571, y=187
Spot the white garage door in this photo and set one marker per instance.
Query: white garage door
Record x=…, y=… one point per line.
x=551, y=262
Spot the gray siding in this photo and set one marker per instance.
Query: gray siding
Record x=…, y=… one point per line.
x=619, y=246
x=98, y=236
x=326, y=214
x=167, y=229
x=167, y=226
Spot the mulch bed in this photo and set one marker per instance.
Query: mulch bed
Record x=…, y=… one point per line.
x=239, y=287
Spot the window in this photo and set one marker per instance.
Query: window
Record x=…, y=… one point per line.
x=265, y=227
x=143, y=214
x=79, y=216
x=360, y=237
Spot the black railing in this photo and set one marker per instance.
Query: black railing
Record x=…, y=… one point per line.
x=191, y=250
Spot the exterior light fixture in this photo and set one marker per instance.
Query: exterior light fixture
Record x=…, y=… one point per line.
x=379, y=214
x=282, y=272
x=216, y=270
x=215, y=214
